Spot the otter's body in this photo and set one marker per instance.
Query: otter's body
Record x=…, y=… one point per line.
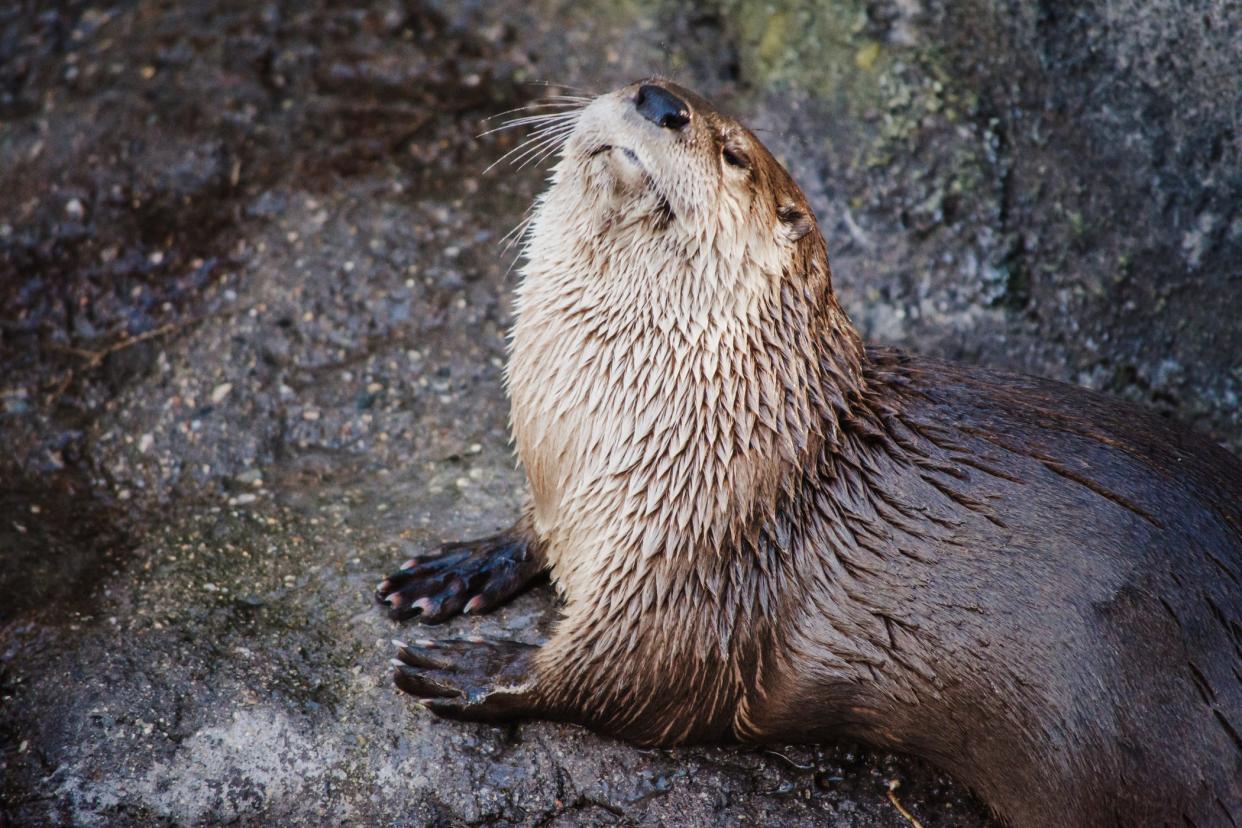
x=764, y=531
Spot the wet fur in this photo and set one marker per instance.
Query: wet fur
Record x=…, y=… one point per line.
x=764, y=531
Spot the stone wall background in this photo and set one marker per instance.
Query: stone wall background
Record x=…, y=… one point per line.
x=252, y=316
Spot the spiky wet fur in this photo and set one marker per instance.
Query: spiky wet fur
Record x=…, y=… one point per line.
x=675, y=363
x=764, y=531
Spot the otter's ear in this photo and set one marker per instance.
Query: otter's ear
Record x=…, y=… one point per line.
x=796, y=221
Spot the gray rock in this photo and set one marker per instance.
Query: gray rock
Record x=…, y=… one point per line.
x=291, y=205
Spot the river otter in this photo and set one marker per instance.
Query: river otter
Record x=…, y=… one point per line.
x=764, y=530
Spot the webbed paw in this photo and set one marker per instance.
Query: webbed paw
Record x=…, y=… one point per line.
x=474, y=576
x=474, y=679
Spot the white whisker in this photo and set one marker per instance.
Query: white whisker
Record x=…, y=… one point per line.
x=550, y=131
x=538, y=139
x=518, y=233
x=560, y=85
x=552, y=141
x=556, y=117
x=540, y=104
x=544, y=152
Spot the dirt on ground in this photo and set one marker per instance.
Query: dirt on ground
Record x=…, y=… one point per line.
x=253, y=305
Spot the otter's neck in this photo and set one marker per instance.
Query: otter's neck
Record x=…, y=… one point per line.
x=661, y=425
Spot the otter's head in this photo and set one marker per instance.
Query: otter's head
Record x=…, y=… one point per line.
x=655, y=184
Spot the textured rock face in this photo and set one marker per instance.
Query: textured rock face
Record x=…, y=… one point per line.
x=252, y=316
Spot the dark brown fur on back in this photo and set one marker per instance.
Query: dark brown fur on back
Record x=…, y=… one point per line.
x=1034, y=586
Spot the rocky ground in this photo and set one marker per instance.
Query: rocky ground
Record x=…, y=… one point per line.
x=252, y=316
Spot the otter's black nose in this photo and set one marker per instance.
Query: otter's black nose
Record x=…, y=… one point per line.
x=662, y=107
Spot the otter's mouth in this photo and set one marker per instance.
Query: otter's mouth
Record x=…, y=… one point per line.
x=625, y=152
x=630, y=167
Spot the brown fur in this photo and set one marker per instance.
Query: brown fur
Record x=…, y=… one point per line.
x=764, y=531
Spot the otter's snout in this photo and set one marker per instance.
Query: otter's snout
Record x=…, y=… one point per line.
x=661, y=107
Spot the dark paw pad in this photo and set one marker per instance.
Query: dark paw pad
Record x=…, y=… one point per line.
x=475, y=576
x=477, y=679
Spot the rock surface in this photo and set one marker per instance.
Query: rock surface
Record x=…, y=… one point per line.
x=252, y=318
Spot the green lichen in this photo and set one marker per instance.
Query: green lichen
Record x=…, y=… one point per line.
x=818, y=47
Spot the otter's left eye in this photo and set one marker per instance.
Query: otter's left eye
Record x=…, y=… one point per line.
x=735, y=159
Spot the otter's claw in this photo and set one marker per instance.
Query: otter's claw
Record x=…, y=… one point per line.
x=476, y=680
x=475, y=576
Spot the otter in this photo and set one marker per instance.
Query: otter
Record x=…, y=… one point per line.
x=764, y=530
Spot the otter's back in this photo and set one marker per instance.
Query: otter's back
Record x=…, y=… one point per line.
x=1134, y=525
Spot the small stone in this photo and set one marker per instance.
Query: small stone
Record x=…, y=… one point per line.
x=221, y=391
x=310, y=415
x=145, y=442
x=75, y=210
x=250, y=477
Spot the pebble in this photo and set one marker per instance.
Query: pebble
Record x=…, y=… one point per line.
x=250, y=477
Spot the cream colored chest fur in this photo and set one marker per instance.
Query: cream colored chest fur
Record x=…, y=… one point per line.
x=639, y=430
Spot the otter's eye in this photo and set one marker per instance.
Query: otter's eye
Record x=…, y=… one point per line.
x=735, y=159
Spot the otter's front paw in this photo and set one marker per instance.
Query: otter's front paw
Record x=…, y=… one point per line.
x=461, y=577
x=475, y=679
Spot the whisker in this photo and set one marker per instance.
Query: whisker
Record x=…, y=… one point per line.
x=561, y=85
x=521, y=148
x=544, y=115
x=536, y=135
x=553, y=141
x=554, y=117
x=536, y=160
x=509, y=239
x=539, y=155
x=537, y=138
x=519, y=234
x=540, y=136
x=539, y=104
x=545, y=151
